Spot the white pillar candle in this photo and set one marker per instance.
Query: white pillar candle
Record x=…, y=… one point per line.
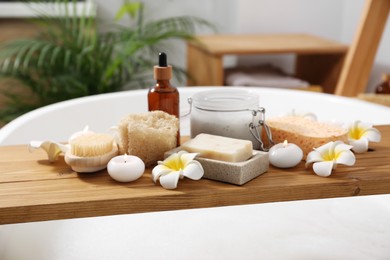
x=125, y=168
x=285, y=155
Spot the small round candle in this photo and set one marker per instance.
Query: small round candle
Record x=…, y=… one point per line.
x=285, y=155
x=125, y=168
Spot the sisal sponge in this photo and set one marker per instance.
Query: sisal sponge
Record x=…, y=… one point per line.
x=306, y=133
x=148, y=135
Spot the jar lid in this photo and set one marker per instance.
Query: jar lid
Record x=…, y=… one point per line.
x=225, y=99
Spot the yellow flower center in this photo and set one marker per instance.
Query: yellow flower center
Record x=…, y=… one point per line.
x=175, y=165
x=331, y=156
x=356, y=133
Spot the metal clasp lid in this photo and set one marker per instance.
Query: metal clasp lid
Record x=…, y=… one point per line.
x=256, y=129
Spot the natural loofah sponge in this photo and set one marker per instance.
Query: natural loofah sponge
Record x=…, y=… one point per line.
x=148, y=135
x=306, y=133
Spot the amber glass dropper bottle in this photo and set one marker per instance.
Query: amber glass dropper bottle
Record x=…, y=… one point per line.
x=163, y=96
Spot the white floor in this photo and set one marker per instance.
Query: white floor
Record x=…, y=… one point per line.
x=345, y=228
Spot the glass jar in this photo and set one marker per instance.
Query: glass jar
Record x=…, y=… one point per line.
x=226, y=112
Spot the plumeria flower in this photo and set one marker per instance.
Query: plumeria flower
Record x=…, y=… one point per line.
x=327, y=156
x=177, y=166
x=52, y=149
x=360, y=134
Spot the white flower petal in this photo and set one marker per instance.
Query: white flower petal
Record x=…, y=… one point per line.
x=346, y=158
x=323, y=169
x=64, y=147
x=340, y=147
x=52, y=149
x=313, y=156
x=158, y=171
x=363, y=125
x=34, y=145
x=194, y=170
x=372, y=135
x=169, y=181
x=186, y=157
x=53, y=152
x=336, y=143
x=359, y=146
x=324, y=149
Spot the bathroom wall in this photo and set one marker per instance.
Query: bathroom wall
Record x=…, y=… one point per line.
x=333, y=19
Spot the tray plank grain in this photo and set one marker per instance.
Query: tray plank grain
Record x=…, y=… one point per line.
x=32, y=189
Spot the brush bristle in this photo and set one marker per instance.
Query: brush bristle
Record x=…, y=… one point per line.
x=91, y=145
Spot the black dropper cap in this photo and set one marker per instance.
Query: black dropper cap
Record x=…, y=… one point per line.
x=163, y=71
x=162, y=59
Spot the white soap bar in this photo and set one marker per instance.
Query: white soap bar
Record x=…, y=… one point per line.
x=219, y=148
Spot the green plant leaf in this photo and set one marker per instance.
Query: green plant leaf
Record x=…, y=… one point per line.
x=70, y=58
x=129, y=8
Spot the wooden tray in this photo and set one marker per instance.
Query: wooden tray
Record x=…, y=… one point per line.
x=32, y=189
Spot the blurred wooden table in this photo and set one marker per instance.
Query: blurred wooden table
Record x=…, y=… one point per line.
x=318, y=61
x=361, y=54
x=32, y=189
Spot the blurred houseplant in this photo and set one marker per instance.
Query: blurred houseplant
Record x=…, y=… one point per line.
x=69, y=58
